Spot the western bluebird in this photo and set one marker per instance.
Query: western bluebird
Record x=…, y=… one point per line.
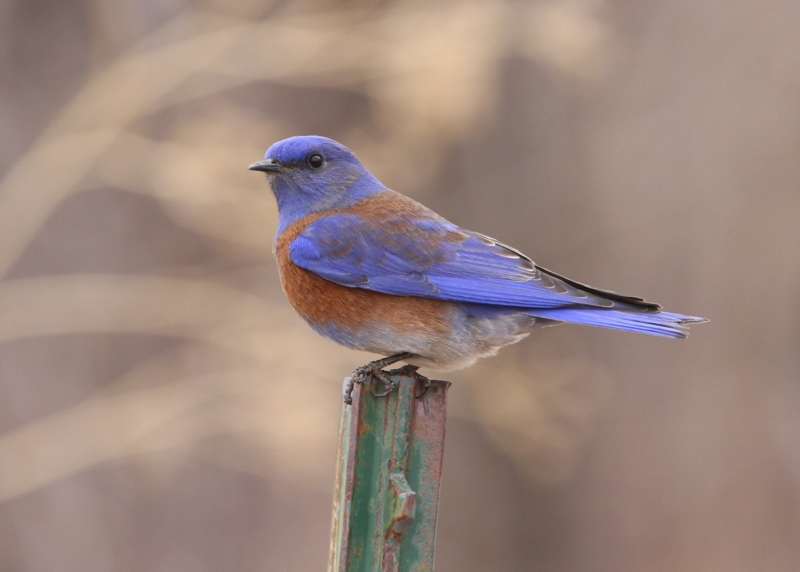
x=374, y=270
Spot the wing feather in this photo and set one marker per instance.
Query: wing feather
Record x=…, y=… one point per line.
x=399, y=255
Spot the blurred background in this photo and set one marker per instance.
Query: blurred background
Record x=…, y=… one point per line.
x=163, y=409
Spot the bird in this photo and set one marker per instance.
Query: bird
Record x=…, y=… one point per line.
x=375, y=270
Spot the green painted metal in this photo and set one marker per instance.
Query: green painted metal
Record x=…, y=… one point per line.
x=389, y=467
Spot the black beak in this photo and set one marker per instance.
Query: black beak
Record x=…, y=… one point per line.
x=267, y=166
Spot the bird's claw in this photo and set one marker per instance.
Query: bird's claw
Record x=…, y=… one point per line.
x=411, y=371
x=375, y=369
x=426, y=386
x=388, y=385
x=360, y=375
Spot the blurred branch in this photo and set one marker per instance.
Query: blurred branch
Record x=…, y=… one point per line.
x=97, y=430
x=541, y=416
x=87, y=126
x=123, y=303
x=196, y=185
x=177, y=413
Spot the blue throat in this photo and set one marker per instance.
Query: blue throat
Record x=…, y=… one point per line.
x=295, y=203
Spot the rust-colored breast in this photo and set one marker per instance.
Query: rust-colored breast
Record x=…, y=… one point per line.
x=323, y=302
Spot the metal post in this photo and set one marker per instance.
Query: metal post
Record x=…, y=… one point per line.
x=389, y=465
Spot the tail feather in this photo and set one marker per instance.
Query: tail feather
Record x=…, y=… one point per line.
x=655, y=323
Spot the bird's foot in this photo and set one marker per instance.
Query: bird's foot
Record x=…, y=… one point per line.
x=374, y=369
x=411, y=371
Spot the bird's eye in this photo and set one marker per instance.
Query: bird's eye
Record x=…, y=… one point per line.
x=316, y=161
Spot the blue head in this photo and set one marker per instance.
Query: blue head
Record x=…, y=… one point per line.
x=311, y=174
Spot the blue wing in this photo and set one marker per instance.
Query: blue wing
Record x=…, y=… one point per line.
x=433, y=258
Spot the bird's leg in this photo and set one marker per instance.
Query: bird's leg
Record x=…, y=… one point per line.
x=411, y=371
x=374, y=368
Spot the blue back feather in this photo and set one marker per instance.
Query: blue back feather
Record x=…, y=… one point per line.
x=432, y=258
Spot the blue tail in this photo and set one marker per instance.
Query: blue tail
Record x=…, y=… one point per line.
x=655, y=323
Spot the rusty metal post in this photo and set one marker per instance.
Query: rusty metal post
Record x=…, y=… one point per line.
x=389, y=465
